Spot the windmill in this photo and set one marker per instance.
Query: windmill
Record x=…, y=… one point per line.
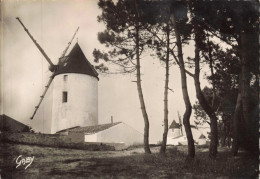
x=53, y=68
x=73, y=98
x=175, y=129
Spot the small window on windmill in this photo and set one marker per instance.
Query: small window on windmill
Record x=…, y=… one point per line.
x=65, y=78
x=64, y=96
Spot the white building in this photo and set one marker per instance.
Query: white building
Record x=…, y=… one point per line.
x=111, y=133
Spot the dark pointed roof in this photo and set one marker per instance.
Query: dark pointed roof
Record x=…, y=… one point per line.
x=174, y=125
x=76, y=62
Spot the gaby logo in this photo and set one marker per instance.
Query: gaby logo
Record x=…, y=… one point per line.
x=24, y=161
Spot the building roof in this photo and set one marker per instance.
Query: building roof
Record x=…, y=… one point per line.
x=66, y=130
x=202, y=137
x=76, y=62
x=11, y=125
x=174, y=125
x=91, y=129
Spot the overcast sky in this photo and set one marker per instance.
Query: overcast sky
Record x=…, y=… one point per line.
x=24, y=71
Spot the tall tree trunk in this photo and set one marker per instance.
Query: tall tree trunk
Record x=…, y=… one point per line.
x=140, y=93
x=165, y=132
x=236, y=117
x=224, y=137
x=249, y=56
x=204, y=104
x=212, y=73
x=245, y=81
x=187, y=114
x=214, y=92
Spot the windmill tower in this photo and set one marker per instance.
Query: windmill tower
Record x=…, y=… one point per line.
x=175, y=129
x=71, y=95
x=75, y=92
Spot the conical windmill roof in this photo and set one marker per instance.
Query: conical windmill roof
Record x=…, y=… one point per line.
x=174, y=125
x=76, y=62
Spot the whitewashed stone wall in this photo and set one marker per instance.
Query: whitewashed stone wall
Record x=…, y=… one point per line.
x=173, y=133
x=81, y=108
x=120, y=133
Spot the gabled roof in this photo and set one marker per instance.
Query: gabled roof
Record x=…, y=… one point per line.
x=91, y=129
x=76, y=62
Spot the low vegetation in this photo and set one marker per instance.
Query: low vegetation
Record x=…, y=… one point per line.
x=132, y=163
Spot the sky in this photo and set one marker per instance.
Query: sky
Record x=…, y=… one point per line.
x=24, y=71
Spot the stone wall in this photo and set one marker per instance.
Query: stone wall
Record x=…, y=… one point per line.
x=76, y=136
x=50, y=140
